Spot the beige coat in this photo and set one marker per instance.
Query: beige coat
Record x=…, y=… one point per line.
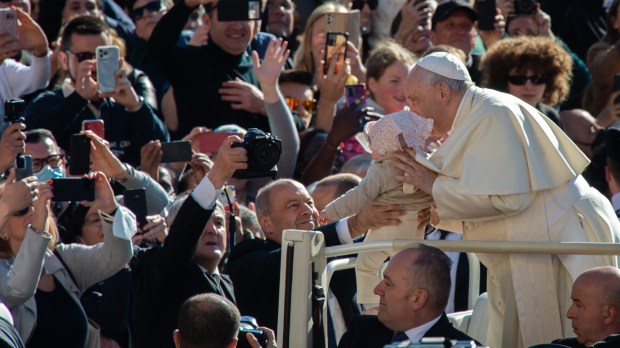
x=508, y=173
x=378, y=187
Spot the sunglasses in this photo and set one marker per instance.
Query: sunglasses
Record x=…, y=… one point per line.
x=293, y=104
x=520, y=80
x=82, y=56
x=359, y=4
x=138, y=13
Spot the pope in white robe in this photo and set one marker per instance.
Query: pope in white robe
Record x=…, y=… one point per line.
x=506, y=172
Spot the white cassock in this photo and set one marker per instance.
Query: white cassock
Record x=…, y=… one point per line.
x=506, y=172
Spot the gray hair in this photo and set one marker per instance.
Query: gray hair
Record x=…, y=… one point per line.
x=433, y=78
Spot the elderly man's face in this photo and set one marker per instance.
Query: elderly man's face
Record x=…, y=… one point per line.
x=421, y=96
x=457, y=31
x=587, y=312
x=395, y=293
x=233, y=37
x=291, y=207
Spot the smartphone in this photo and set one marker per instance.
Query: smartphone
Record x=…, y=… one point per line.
x=73, y=189
x=23, y=167
x=96, y=126
x=211, y=142
x=176, y=151
x=108, y=62
x=486, y=14
x=335, y=48
x=238, y=10
x=356, y=94
x=14, y=110
x=347, y=22
x=8, y=24
x=79, y=154
x=135, y=200
x=616, y=87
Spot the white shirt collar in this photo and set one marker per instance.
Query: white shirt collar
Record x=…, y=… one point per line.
x=416, y=334
x=206, y=271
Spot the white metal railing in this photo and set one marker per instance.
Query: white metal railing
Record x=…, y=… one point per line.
x=304, y=258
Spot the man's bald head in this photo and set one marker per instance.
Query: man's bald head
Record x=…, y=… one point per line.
x=581, y=127
x=606, y=280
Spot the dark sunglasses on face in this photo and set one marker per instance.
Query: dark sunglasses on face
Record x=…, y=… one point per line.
x=520, y=80
x=293, y=103
x=359, y=4
x=82, y=56
x=137, y=13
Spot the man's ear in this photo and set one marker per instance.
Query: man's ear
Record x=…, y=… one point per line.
x=419, y=298
x=63, y=58
x=443, y=92
x=265, y=224
x=176, y=337
x=610, y=314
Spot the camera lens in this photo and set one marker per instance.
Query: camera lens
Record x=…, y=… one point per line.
x=266, y=154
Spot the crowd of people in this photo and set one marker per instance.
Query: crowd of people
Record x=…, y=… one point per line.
x=430, y=125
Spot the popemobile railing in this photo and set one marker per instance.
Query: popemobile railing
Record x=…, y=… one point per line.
x=305, y=273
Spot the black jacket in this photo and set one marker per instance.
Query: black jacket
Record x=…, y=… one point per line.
x=365, y=331
x=126, y=131
x=164, y=277
x=197, y=74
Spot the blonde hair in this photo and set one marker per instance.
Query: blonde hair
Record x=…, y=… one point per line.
x=304, y=61
x=51, y=228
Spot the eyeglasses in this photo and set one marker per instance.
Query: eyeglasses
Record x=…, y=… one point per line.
x=53, y=161
x=138, y=13
x=293, y=103
x=520, y=80
x=82, y=56
x=284, y=6
x=359, y=4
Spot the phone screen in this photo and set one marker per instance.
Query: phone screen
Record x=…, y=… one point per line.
x=176, y=151
x=96, y=126
x=335, y=48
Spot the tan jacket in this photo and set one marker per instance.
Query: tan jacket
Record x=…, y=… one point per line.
x=378, y=187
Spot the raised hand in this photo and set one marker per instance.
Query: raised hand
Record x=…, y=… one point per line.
x=103, y=159
x=31, y=36
x=243, y=96
x=229, y=159
x=124, y=93
x=11, y=144
x=268, y=71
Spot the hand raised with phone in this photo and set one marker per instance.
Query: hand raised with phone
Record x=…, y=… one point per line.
x=104, y=196
x=124, y=93
x=12, y=144
x=41, y=206
x=18, y=194
x=31, y=36
x=103, y=160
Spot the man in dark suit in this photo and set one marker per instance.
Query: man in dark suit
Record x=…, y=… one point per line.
x=595, y=311
x=412, y=298
x=254, y=265
x=186, y=265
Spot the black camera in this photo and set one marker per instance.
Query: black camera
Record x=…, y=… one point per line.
x=525, y=6
x=248, y=325
x=263, y=153
x=14, y=110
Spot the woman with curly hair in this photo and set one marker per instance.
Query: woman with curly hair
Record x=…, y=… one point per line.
x=535, y=69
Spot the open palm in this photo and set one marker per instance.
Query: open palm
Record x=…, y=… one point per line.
x=268, y=71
